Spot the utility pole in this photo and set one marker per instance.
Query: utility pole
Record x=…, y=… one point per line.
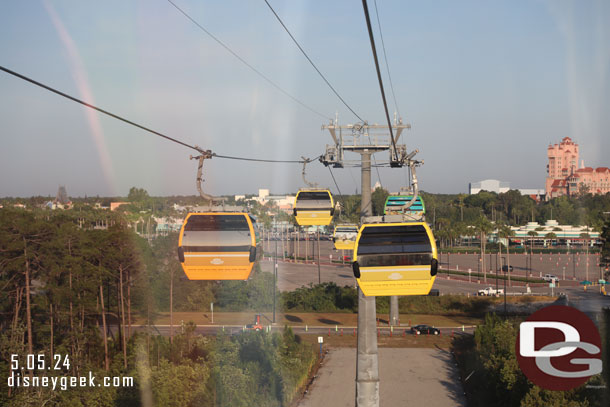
x=274, y=271
x=503, y=262
x=319, y=274
x=394, y=314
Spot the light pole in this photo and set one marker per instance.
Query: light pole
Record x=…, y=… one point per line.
x=573, y=265
x=274, y=271
x=319, y=274
x=503, y=262
x=587, y=254
x=496, y=272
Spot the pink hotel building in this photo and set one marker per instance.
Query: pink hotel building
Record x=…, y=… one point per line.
x=565, y=178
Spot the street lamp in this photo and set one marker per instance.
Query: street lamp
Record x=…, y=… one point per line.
x=274, y=269
x=496, y=272
x=504, y=269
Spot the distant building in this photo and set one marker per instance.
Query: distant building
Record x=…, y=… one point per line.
x=499, y=187
x=565, y=234
x=263, y=193
x=565, y=178
x=490, y=185
x=168, y=224
x=115, y=205
x=536, y=194
x=179, y=208
x=283, y=202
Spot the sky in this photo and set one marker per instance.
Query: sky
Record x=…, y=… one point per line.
x=486, y=87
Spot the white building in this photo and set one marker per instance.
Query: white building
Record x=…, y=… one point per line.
x=284, y=202
x=491, y=185
x=536, y=194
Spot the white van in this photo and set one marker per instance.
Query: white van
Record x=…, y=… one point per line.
x=550, y=278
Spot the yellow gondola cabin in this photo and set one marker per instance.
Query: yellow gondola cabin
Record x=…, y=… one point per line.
x=314, y=207
x=395, y=259
x=345, y=236
x=217, y=246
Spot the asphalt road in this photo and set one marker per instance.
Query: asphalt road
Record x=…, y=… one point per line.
x=407, y=376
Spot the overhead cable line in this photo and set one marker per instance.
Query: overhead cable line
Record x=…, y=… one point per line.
x=385, y=103
x=336, y=185
x=259, y=73
x=385, y=56
x=263, y=160
x=60, y=93
x=115, y=116
x=311, y=62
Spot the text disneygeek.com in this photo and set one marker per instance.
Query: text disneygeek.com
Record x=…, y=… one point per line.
x=66, y=382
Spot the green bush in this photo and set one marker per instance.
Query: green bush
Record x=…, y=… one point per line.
x=325, y=297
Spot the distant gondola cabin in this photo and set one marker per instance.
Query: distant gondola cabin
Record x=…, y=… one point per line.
x=344, y=237
x=313, y=207
x=395, y=204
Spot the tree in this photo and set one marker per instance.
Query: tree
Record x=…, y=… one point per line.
x=605, y=250
x=583, y=189
x=550, y=236
x=378, y=198
x=460, y=229
x=586, y=236
x=23, y=242
x=443, y=232
x=483, y=227
x=532, y=234
x=137, y=195
x=460, y=200
x=171, y=267
x=505, y=232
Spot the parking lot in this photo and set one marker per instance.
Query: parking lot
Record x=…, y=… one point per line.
x=566, y=266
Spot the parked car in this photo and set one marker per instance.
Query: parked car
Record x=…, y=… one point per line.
x=550, y=278
x=490, y=291
x=506, y=268
x=424, y=330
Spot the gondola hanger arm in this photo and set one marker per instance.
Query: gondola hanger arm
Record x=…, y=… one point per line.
x=305, y=162
x=205, y=155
